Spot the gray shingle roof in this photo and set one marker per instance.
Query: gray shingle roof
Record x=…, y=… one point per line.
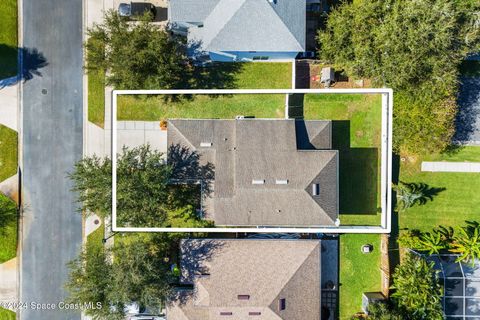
x=266, y=270
x=285, y=154
x=243, y=25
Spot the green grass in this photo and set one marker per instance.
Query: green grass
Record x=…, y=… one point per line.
x=7, y=314
x=94, y=239
x=8, y=230
x=155, y=108
x=356, y=131
x=358, y=272
x=451, y=207
x=8, y=152
x=245, y=76
x=96, y=97
x=8, y=38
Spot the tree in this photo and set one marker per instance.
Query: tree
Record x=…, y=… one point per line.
x=382, y=311
x=8, y=211
x=407, y=195
x=414, y=47
x=91, y=280
x=467, y=243
x=145, y=196
x=135, y=56
x=135, y=270
x=418, y=294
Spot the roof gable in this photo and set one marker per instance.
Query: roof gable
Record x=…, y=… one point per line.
x=252, y=25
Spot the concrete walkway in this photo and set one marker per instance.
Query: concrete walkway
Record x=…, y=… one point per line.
x=8, y=281
x=9, y=107
x=136, y=133
x=9, y=187
x=444, y=166
x=92, y=223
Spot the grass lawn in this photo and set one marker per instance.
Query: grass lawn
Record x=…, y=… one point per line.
x=358, y=272
x=8, y=38
x=94, y=239
x=8, y=152
x=96, y=97
x=154, y=108
x=7, y=314
x=451, y=207
x=8, y=230
x=356, y=134
x=249, y=76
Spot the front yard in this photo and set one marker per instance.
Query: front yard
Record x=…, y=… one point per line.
x=359, y=272
x=356, y=134
x=8, y=38
x=8, y=229
x=451, y=207
x=245, y=76
x=8, y=152
x=155, y=108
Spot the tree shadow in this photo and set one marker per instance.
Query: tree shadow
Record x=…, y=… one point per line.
x=358, y=173
x=186, y=167
x=31, y=59
x=468, y=101
x=194, y=257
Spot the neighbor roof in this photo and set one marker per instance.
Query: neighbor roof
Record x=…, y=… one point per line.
x=288, y=157
x=243, y=25
x=264, y=270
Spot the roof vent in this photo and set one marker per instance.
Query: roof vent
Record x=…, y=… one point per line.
x=285, y=181
x=254, y=313
x=226, y=313
x=243, y=297
x=258, y=181
x=315, y=189
x=206, y=144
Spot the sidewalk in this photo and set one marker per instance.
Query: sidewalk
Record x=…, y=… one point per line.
x=9, y=107
x=8, y=281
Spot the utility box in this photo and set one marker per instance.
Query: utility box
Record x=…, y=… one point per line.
x=371, y=297
x=327, y=76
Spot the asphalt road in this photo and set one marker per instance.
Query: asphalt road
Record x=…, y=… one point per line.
x=52, y=142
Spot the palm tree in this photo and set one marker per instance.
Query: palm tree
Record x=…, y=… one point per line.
x=432, y=243
x=407, y=195
x=467, y=243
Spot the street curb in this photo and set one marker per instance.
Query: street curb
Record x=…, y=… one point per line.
x=20, y=153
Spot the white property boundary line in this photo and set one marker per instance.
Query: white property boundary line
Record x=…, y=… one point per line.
x=385, y=167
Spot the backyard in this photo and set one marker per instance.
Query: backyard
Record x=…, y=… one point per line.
x=452, y=206
x=356, y=131
x=359, y=272
x=244, y=76
x=8, y=38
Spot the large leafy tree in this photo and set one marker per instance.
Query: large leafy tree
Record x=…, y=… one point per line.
x=145, y=195
x=136, y=269
x=417, y=291
x=412, y=46
x=135, y=56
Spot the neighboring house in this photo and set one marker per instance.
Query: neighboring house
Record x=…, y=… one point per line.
x=248, y=279
x=268, y=172
x=240, y=30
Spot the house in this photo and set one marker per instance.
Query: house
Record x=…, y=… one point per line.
x=240, y=30
x=267, y=172
x=248, y=279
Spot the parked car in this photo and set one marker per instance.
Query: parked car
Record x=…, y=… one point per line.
x=134, y=10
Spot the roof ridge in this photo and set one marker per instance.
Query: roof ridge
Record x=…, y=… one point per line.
x=294, y=273
x=283, y=22
x=225, y=19
x=181, y=134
